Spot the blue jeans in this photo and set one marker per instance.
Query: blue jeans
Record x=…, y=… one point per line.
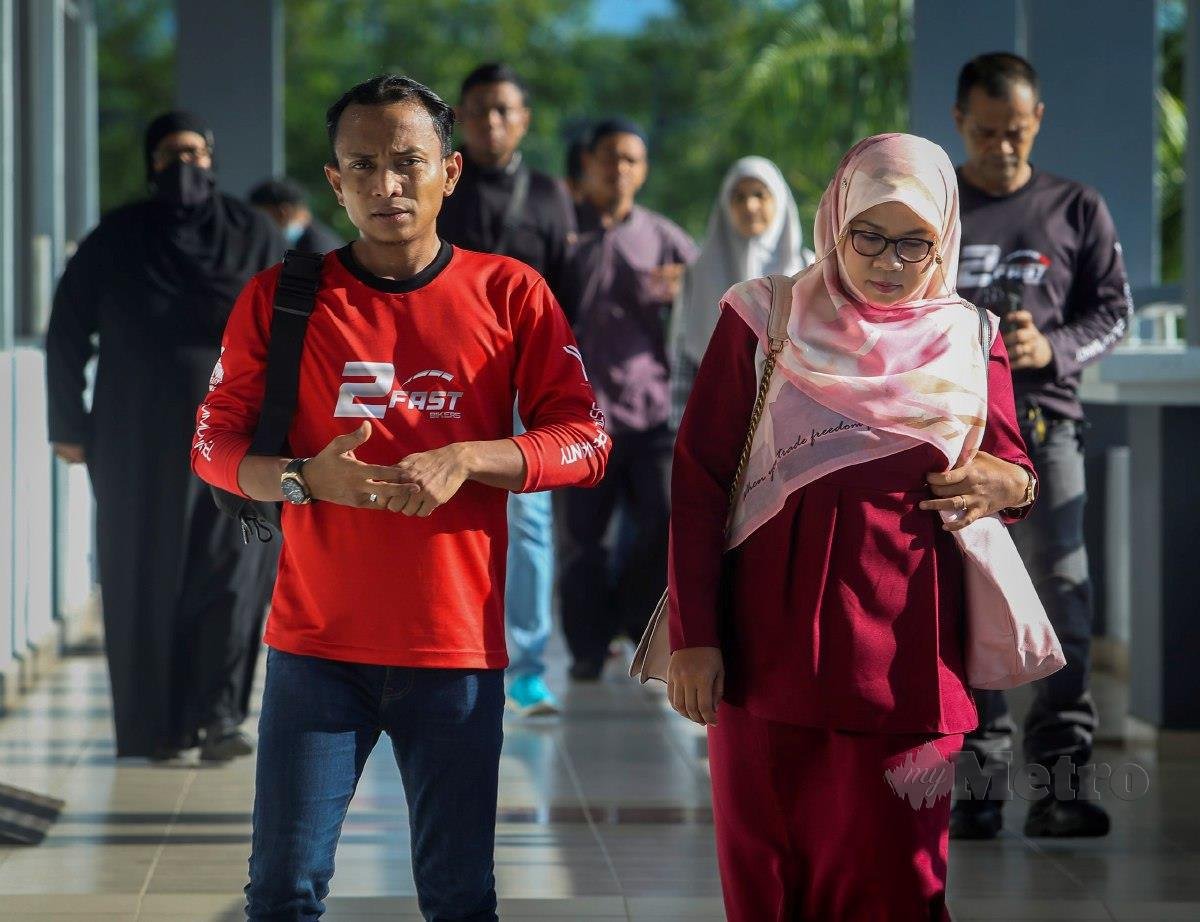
x=320, y=720
x=529, y=589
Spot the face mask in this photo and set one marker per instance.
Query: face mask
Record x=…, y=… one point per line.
x=184, y=184
x=293, y=232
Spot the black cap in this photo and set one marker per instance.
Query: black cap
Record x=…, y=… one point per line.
x=615, y=126
x=167, y=124
x=281, y=191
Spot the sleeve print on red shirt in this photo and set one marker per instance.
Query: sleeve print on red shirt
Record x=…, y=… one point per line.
x=226, y=420
x=566, y=442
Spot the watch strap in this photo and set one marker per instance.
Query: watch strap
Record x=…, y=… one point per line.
x=293, y=474
x=1031, y=487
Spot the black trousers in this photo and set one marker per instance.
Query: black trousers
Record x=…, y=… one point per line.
x=607, y=591
x=219, y=627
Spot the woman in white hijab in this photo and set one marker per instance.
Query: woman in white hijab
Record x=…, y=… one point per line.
x=754, y=230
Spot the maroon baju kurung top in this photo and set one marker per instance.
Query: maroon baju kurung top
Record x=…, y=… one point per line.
x=845, y=610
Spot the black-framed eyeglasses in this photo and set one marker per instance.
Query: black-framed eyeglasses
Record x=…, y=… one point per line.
x=908, y=249
x=186, y=153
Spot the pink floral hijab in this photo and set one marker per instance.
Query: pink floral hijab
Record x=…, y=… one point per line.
x=893, y=168
x=858, y=381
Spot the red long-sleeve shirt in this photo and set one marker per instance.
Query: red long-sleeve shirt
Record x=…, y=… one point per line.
x=432, y=360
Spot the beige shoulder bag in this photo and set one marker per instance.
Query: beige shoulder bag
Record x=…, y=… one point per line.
x=653, y=654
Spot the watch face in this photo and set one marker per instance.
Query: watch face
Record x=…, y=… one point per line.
x=293, y=491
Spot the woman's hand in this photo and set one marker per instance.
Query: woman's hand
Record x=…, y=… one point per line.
x=982, y=486
x=696, y=683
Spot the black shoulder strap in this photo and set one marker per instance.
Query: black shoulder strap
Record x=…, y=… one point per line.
x=295, y=298
x=513, y=210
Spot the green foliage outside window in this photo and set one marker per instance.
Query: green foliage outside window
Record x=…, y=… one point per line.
x=795, y=80
x=136, y=62
x=1172, y=140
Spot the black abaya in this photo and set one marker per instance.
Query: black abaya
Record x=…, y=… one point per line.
x=183, y=598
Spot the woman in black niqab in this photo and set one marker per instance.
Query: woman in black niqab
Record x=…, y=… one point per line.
x=148, y=293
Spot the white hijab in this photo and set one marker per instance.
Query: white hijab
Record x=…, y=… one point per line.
x=727, y=257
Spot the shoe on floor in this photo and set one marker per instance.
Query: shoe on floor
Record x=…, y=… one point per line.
x=586, y=670
x=976, y=819
x=528, y=696
x=1050, y=818
x=224, y=745
x=175, y=751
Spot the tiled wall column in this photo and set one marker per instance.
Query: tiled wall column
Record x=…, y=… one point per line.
x=229, y=57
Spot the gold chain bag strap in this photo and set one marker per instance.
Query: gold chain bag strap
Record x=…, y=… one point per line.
x=653, y=655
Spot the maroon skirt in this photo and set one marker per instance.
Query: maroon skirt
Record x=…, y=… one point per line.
x=818, y=825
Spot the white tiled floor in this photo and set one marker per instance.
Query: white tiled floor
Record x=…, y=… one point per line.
x=605, y=816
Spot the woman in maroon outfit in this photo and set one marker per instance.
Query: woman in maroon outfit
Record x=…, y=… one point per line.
x=825, y=611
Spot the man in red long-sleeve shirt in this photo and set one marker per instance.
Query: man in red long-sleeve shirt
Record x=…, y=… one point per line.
x=388, y=608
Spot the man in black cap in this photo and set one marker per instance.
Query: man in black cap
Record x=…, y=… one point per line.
x=285, y=203
x=183, y=599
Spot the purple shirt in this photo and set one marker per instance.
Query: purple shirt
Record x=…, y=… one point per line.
x=620, y=312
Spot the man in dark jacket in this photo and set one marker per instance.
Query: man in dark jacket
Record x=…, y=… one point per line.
x=1042, y=252
x=502, y=206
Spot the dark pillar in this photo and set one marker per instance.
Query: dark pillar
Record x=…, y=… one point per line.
x=944, y=39
x=1165, y=578
x=230, y=71
x=1097, y=90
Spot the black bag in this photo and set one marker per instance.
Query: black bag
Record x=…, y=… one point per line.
x=295, y=297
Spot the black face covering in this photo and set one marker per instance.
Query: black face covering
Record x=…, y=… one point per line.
x=197, y=246
x=184, y=185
